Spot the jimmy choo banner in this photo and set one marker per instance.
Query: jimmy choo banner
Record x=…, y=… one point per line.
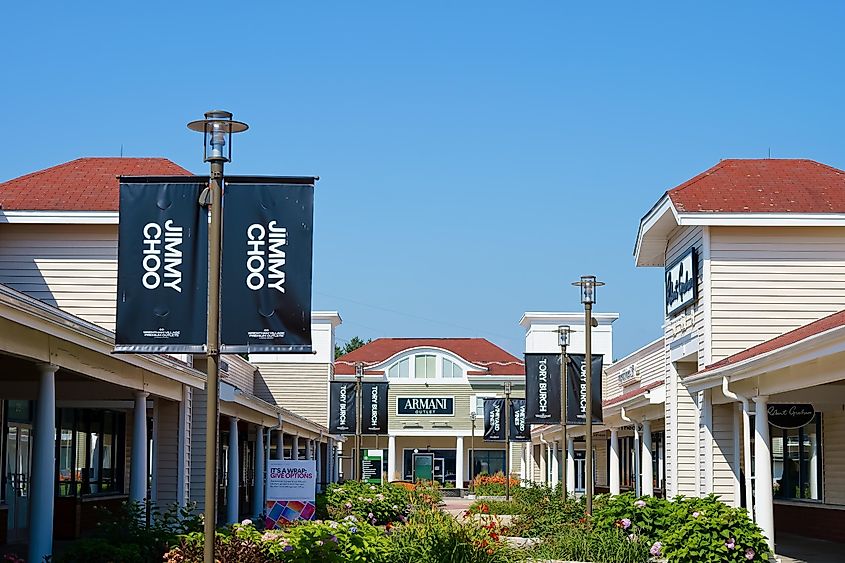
x=576, y=389
x=520, y=430
x=162, y=266
x=542, y=388
x=374, y=399
x=342, y=407
x=494, y=415
x=266, y=281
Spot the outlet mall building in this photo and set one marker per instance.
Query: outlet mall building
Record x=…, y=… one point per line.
x=753, y=253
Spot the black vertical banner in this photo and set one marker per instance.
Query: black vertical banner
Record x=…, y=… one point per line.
x=520, y=430
x=542, y=388
x=162, y=266
x=266, y=281
x=342, y=407
x=576, y=389
x=374, y=401
x=494, y=424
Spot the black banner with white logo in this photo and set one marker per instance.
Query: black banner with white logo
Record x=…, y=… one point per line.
x=520, y=429
x=342, y=407
x=494, y=415
x=374, y=400
x=542, y=388
x=266, y=281
x=576, y=389
x=162, y=266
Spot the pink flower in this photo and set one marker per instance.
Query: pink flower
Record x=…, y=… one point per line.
x=655, y=549
x=731, y=544
x=749, y=554
x=348, y=505
x=696, y=514
x=626, y=523
x=640, y=504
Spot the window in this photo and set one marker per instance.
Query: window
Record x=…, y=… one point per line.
x=796, y=461
x=399, y=370
x=424, y=366
x=88, y=451
x=488, y=461
x=451, y=369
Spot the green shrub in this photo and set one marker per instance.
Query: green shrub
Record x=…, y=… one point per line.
x=496, y=507
x=378, y=504
x=426, y=493
x=493, y=485
x=98, y=550
x=545, y=511
x=578, y=543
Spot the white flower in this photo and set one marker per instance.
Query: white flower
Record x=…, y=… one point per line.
x=246, y=522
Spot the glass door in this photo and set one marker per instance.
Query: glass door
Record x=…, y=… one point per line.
x=18, y=458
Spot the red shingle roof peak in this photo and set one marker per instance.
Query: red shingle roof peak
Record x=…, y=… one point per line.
x=83, y=184
x=478, y=351
x=764, y=185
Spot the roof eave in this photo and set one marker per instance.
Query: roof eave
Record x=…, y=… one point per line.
x=653, y=231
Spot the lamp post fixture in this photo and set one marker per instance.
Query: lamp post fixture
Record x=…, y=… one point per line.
x=507, y=423
x=472, y=416
x=359, y=375
x=563, y=333
x=217, y=129
x=588, y=285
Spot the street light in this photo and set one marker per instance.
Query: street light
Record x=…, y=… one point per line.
x=507, y=440
x=359, y=374
x=472, y=416
x=216, y=128
x=588, y=285
x=563, y=334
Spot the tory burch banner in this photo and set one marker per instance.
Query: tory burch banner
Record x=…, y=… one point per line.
x=374, y=402
x=542, y=388
x=576, y=388
x=342, y=407
x=266, y=280
x=162, y=266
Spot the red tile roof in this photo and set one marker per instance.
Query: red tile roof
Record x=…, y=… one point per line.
x=630, y=394
x=801, y=333
x=763, y=186
x=84, y=184
x=478, y=351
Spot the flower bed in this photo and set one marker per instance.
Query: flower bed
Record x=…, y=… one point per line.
x=492, y=485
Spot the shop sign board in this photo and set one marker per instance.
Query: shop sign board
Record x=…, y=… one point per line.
x=789, y=416
x=681, y=282
x=371, y=466
x=628, y=375
x=425, y=406
x=291, y=492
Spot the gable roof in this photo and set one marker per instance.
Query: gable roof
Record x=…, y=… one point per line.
x=814, y=328
x=478, y=351
x=84, y=184
x=763, y=186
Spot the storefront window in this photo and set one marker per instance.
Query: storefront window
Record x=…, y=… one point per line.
x=796, y=461
x=444, y=464
x=489, y=462
x=87, y=451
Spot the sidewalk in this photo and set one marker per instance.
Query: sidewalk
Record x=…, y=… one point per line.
x=798, y=549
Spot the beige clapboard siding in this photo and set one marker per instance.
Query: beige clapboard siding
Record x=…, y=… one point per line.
x=600, y=446
x=651, y=367
x=166, y=446
x=833, y=458
x=300, y=388
x=681, y=409
x=723, y=452
x=73, y=267
x=197, y=469
x=768, y=281
x=241, y=373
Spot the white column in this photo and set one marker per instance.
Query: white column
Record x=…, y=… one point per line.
x=814, y=466
x=234, y=474
x=280, y=444
x=637, y=489
x=42, y=490
x=258, y=487
x=294, y=450
x=459, y=462
x=391, y=458
x=614, y=461
x=544, y=472
x=570, y=465
x=554, y=464
x=309, y=452
x=318, y=457
x=138, y=463
x=647, y=487
x=764, y=503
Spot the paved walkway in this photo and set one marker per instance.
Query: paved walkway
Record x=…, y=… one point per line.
x=798, y=549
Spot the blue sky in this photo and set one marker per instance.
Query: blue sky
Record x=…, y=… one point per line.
x=476, y=157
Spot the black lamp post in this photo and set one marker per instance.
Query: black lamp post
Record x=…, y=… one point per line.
x=217, y=128
x=359, y=375
x=472, y=416
x=588, y=285
x=563, y=332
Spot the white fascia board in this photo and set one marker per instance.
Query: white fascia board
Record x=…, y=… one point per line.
x=60, y=217
x=762, y=219
x=649, y=221
x=382, y=365
x=550, y=317
x=496, y=378
x=811, y=348
x=332, y=317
